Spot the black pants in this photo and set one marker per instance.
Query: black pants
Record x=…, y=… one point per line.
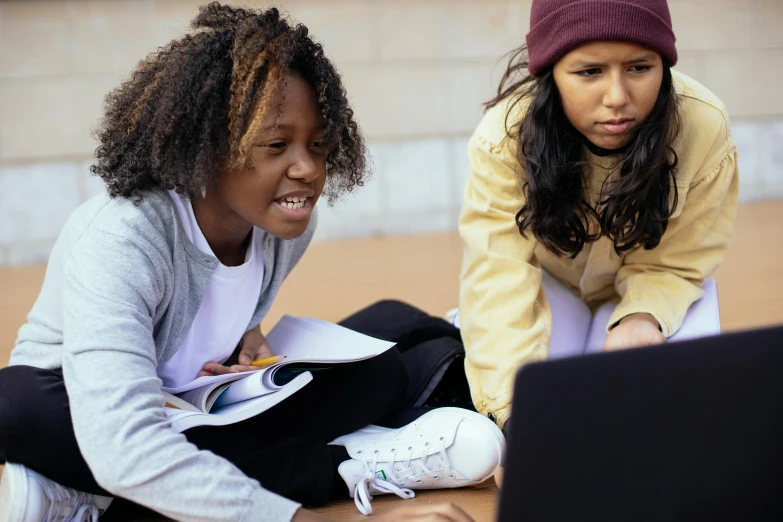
x=284, y=448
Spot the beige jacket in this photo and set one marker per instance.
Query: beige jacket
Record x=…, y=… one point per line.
x=505, y=317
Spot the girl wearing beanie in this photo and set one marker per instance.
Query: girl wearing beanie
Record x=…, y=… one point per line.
x=602, y=167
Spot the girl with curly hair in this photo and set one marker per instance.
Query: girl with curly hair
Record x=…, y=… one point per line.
x=214, y=153
x=599, y=165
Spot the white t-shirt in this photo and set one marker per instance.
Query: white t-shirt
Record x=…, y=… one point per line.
x=226, y=310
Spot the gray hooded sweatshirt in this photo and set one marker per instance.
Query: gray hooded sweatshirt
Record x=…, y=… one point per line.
x=122, y=288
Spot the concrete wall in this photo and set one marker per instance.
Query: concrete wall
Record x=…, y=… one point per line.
x=416, y=72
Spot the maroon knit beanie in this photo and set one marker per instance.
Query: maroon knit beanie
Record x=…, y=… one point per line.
x=559, y=26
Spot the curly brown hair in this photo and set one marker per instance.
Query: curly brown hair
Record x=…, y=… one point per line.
x=193, y=108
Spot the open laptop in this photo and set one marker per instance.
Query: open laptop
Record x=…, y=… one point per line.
x=690, y=431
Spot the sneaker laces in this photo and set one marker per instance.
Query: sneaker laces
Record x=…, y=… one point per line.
x=445, y=463
x=362, y=496
x=68, y=505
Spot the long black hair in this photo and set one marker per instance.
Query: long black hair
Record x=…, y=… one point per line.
x=633, y=210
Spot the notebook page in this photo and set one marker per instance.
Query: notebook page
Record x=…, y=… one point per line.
x=701, y=320
x=570, y=318
x=703, y=317
x=183, y=420
x=318, y=341
x=212, y=381
x=243, y=390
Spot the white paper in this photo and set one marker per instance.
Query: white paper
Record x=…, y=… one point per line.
x=311, y=340
x=703, y=317
x=210, y=380
x=183, y=420
x=244, y=389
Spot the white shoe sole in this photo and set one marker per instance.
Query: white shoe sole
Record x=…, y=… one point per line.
x=13, y=490
x=490, y=428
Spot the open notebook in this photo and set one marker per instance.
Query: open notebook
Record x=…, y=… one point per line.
x=576, y=331
x=308, y=344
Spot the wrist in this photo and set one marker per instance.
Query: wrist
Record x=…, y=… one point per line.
x=641, y=317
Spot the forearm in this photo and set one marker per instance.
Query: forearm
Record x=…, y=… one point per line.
x=661, y=297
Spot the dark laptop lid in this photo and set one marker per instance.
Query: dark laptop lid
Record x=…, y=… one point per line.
x=688, y=431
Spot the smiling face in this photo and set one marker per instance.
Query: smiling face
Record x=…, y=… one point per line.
x=288, y=171
x=608, y=89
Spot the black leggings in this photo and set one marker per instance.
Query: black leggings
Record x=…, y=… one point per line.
x=284, y=448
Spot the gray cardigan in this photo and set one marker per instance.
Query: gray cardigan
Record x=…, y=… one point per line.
x=122, y=288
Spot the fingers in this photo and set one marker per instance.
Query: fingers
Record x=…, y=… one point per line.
x=254, y=351
x=212, y=368
x=632, y=334
x=246, y=355
x=499, y=476
x=242, y=368
x=649, y=336
x=613, y=342
x=658, y=338
x=263, y=351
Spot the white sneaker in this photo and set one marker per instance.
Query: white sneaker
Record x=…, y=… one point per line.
x=444, y=448
x=26, y=496
x=452, y=316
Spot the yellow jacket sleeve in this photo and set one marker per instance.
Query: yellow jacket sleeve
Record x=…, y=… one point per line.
x=504, y=316
x=666, y=280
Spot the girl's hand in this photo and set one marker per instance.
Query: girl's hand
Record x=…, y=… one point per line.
x=212, y=368
x=499, y=476
x=634, y=330
x=252, y=347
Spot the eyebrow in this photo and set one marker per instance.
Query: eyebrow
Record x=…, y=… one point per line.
x=639, y=59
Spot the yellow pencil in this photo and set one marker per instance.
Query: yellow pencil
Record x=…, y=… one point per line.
x=269, y=361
